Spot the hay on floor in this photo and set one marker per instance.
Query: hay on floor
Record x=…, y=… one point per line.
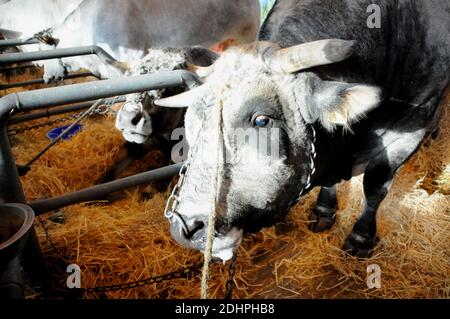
x=129, y=239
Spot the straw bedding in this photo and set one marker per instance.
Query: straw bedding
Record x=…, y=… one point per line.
x=128, y=240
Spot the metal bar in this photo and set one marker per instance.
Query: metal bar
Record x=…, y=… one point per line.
x=38, y=99
x=17, y=119
x=17, y=67
x=101, y=191
x=17, y=42
x=9, y=58
x=10, y=187
x=41, y=81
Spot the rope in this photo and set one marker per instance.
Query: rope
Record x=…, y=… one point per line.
x=213, y=214
x=63, y=134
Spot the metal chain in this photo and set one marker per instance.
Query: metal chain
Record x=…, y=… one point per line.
x=47, y=236
x=46, y=37
x=230, y=281
x=312, y=168
x=173, y=201
x=17, y=131
x=102, y=110
x=184, y=273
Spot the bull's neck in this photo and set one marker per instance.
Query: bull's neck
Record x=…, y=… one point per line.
x=333, y=162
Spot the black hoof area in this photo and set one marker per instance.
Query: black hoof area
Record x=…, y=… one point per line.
x=320, y=224
x=359, y=246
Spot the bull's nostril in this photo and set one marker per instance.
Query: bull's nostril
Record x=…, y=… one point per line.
x=136, y=119
x=196, y=228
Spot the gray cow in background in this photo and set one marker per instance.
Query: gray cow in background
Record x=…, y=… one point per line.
x=127, y=29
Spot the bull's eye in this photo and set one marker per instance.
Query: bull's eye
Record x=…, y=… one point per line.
x=262, y=121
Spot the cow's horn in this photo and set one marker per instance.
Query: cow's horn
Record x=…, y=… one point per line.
x=308, y=55
x=182, y=100
x=204, y=71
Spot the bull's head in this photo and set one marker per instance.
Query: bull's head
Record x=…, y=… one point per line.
x=273, y=93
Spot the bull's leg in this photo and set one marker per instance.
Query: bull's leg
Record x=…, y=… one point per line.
x=377, y=182
x=323, y=215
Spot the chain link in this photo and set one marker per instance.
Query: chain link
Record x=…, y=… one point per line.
x=102, y=110
x=230, y=281
x=170, y=212
x=312, y=168
x=184, y=273
x=47, y=236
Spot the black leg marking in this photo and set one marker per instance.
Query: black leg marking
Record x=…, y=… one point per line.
x=377, y=182
x=323, y=216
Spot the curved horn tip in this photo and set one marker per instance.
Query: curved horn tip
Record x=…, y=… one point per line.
x=169, y=104
x=338, y=50
x=182, y=100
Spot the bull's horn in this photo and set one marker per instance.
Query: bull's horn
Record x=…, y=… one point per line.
x=308, y=55
x=203, y=72
x=182, y=100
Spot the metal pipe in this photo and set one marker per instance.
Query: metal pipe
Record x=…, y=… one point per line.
x=9, y=58
x=41, y=81
x=17, y=119
x=17, y=42
x=10, y=187
x=101, y=191
x=38, y=99
x=17, y=67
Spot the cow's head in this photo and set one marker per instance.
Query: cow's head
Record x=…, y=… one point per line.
x=272, y=93
x=139, y=118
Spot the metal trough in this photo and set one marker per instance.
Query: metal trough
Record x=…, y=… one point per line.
x=16, y=221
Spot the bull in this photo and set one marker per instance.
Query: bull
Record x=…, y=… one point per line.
x=341, y=97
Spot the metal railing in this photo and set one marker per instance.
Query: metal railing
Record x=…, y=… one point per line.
x=11, y=190
x=17, y=42
x=21, y=57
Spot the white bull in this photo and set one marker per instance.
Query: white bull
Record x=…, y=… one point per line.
x=27, y=17
x=126, y=29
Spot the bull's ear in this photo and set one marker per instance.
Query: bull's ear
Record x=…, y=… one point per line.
x=200, y=56
x=340, y=104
